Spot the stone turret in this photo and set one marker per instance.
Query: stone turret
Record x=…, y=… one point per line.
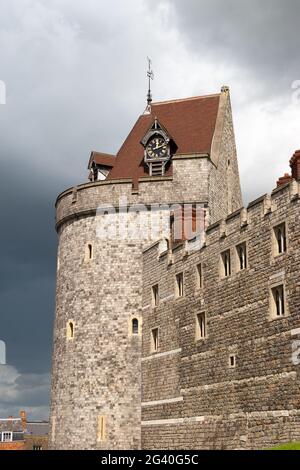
x=96, y=374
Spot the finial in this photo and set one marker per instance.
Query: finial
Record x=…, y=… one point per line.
x=225, y=89
x=150, y=76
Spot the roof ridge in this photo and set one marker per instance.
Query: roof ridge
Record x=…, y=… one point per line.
x=103, y=153
x=214, y=95
x=10, y=419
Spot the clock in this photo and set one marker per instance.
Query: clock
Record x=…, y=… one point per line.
x=157, y=148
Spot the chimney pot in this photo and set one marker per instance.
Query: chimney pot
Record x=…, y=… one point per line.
x=23, y=419
x=284, y=180
x=295, y=165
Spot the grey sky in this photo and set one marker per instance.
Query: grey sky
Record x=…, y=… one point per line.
x=75, y=77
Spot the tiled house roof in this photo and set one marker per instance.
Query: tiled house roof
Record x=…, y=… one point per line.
x=191, y=123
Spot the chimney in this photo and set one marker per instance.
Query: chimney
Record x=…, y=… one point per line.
x=23, y=419
x=295, y=165
x=284, y=180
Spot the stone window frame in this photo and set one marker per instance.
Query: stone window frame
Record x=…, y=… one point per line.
x=232, y=361
x=238, y=268
x=155, y=300
x=130, y=331
x=274, y=240
x=199, y=276
x=222, y=269
x=198, y=336
x=70, y=335
x=154, y=349
x=178, y=295
x=272, y=302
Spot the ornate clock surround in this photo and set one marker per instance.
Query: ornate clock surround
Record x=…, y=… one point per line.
x=156, y=161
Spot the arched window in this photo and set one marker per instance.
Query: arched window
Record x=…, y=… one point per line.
x=135, y=326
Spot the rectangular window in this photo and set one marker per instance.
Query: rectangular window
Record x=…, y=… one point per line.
x=280, y=244
x=278, y=302
x=70, y=330
x=199, y=276
x=88, y=256
x=200, y=326
x=101, y=428
x=241, y=251
x=7, y=437
x=179, y=285
x=155, y=296
x=225, y=264
x=232, y=361
x=154, y=340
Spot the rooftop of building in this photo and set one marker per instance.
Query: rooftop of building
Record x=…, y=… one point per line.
x=189, y=121
x=22, y=425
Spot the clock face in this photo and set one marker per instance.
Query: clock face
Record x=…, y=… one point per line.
x=157, y=148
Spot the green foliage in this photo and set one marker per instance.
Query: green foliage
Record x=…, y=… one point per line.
x=289, y=446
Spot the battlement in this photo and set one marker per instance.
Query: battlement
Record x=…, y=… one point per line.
x=224, y=318
x=274, y=205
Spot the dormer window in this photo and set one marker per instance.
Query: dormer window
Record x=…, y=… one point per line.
x=100, y=165
x=101, y=173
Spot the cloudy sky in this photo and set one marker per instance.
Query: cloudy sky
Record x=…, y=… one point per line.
x=75, y=77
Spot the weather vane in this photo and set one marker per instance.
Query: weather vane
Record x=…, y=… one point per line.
x=150, y=76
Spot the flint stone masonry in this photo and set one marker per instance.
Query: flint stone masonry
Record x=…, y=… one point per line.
x=257, y=403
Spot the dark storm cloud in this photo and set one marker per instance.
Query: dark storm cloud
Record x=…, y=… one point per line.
x=259, y=37
x=75, y=79
x=66, y=76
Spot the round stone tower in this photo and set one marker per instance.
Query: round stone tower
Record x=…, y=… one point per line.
x=177, y=153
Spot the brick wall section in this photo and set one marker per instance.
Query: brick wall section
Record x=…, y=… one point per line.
x=33, y=441
x=256, y=404
x=15, y=445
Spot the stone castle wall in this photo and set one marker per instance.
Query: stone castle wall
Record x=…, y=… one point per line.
x=97, y=374
x=191, y=397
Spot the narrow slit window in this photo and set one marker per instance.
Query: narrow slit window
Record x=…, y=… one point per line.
x=155, y=295
x=179, y=285
x=199, y=276
x=70, y=330
x=135, y=326
x=101, y=428
x=278, y=300
x=226, y=263
x=280, y=239
x=88, y=252
x=200, y=326
x=242, y=256
x=154, y=340
x=232, y=361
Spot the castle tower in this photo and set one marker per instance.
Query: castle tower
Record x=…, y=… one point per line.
x=178, y=152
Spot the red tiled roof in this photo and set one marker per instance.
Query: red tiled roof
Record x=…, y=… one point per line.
x=105, y=159
x=191, y=123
